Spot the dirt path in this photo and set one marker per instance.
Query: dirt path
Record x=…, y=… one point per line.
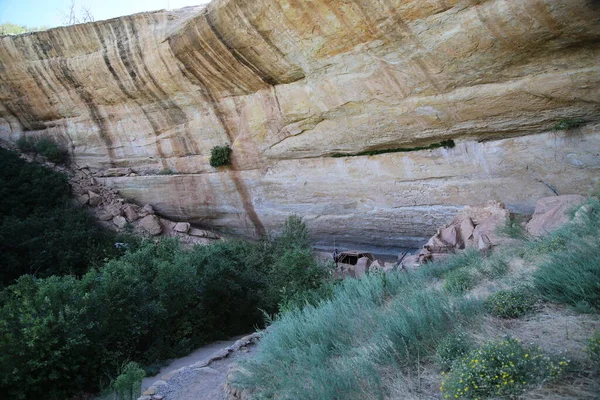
x=202, y=374
x=203, y=383
x=202, y=353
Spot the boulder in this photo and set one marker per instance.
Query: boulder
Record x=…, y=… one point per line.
x=120, y=222
x=202, y=233
x=410, y=262
x=151, y=225
x=551, y=212
x=182, y=227
x=114, y=172
x=148, y=209
x=83, y=199
x=94, y=199
x=451, y=236
x=361, y=267
x=473, y=227
x=114, y=209
x=104, y=215
x=466, y=229
x=130, y=213
x=376, y=266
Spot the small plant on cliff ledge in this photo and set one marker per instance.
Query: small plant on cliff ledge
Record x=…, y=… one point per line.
x=568, y=123
x=219, y=156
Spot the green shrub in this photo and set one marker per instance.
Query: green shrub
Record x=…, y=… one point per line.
x=41, y=231
x=219, y=156
x=593, y=349
x=27, y=187
x=45, y=147
x=63, y=335
x=452, y=348
x=459, y=281
x=512, y=303
x=498, y=369
x=569, y=123
x=127, y=386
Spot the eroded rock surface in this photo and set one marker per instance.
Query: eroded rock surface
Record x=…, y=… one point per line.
x=289, y=84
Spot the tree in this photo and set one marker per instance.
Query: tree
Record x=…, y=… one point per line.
x=72, y=17
x=9, y=28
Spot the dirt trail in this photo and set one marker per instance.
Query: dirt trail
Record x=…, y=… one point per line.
x=200, y=375
x=200, y=354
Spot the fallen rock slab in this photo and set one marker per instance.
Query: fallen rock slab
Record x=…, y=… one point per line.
x=94, y=199
x=551, y=213
x=181, y=227
x=151, y=224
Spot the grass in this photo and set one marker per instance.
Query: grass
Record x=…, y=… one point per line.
x=391, y=336
x=338, y=348
x=571, y=272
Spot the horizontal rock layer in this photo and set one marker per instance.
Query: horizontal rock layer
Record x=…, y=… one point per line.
x=290, y=83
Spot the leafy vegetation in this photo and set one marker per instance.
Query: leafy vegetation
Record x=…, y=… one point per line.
x=45, y=147
x=219, y=156
x=511, y=303
x=127, y=385
x=447, y=144
x=454, y=347
x=157, y=302
x=9, y=28
x=500, y=368
x=41, y=232
x=593, y=349
x=569, y=123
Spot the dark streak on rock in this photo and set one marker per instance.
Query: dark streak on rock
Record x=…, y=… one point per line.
x=242, y=190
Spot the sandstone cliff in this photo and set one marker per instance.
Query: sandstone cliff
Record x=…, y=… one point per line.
x=291, y=83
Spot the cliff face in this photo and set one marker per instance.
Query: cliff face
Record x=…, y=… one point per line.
x=290, y=83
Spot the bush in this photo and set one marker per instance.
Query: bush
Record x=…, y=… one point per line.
x=127, y=386
x=459, y=281
x=512, y=303
x=569, y=123
x=27, y=187
x=498, y=369
x=62, y=335
x=593, y=349
x=452, y=348
x=45, y=147
x=219, y=156
x=41, y=232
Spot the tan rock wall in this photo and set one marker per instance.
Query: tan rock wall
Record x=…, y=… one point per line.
x=288, y=83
